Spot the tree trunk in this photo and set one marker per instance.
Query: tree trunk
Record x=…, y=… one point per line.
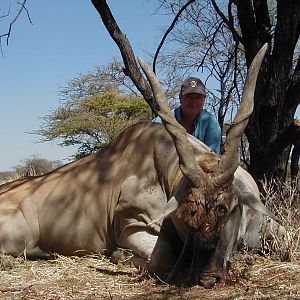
x=277, y=90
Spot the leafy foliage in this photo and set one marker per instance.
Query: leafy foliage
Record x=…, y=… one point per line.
x=96, y=107
x=92, y=122
x=99, y=80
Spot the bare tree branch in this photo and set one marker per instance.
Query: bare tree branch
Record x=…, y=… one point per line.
x=8, y=33
x=228, y=22
x=210, y=45
x=169, y=30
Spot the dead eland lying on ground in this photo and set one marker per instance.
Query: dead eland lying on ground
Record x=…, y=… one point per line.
x=155, y=190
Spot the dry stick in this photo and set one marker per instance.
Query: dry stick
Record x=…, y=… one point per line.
x=17, y=289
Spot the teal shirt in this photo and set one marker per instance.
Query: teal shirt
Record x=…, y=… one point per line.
x=206, y=128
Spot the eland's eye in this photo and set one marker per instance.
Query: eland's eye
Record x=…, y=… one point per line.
x=221, y=210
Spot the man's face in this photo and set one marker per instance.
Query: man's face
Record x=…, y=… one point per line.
x=192, y=104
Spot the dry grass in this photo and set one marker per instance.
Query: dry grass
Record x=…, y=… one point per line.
x=284, y=201
x=95, y=277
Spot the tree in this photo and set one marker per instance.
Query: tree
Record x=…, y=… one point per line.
x=35, y=166
x=93, y=122
x=251, y=24
x=6, y=176
x=95, y=110
x=278, y=88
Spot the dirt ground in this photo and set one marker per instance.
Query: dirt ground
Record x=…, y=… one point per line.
x=95, y=277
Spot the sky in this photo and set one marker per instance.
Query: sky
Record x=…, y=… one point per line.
x=66, y=38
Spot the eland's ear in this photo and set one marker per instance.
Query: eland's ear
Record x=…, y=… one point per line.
x=253, y=202
x=248, y=198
